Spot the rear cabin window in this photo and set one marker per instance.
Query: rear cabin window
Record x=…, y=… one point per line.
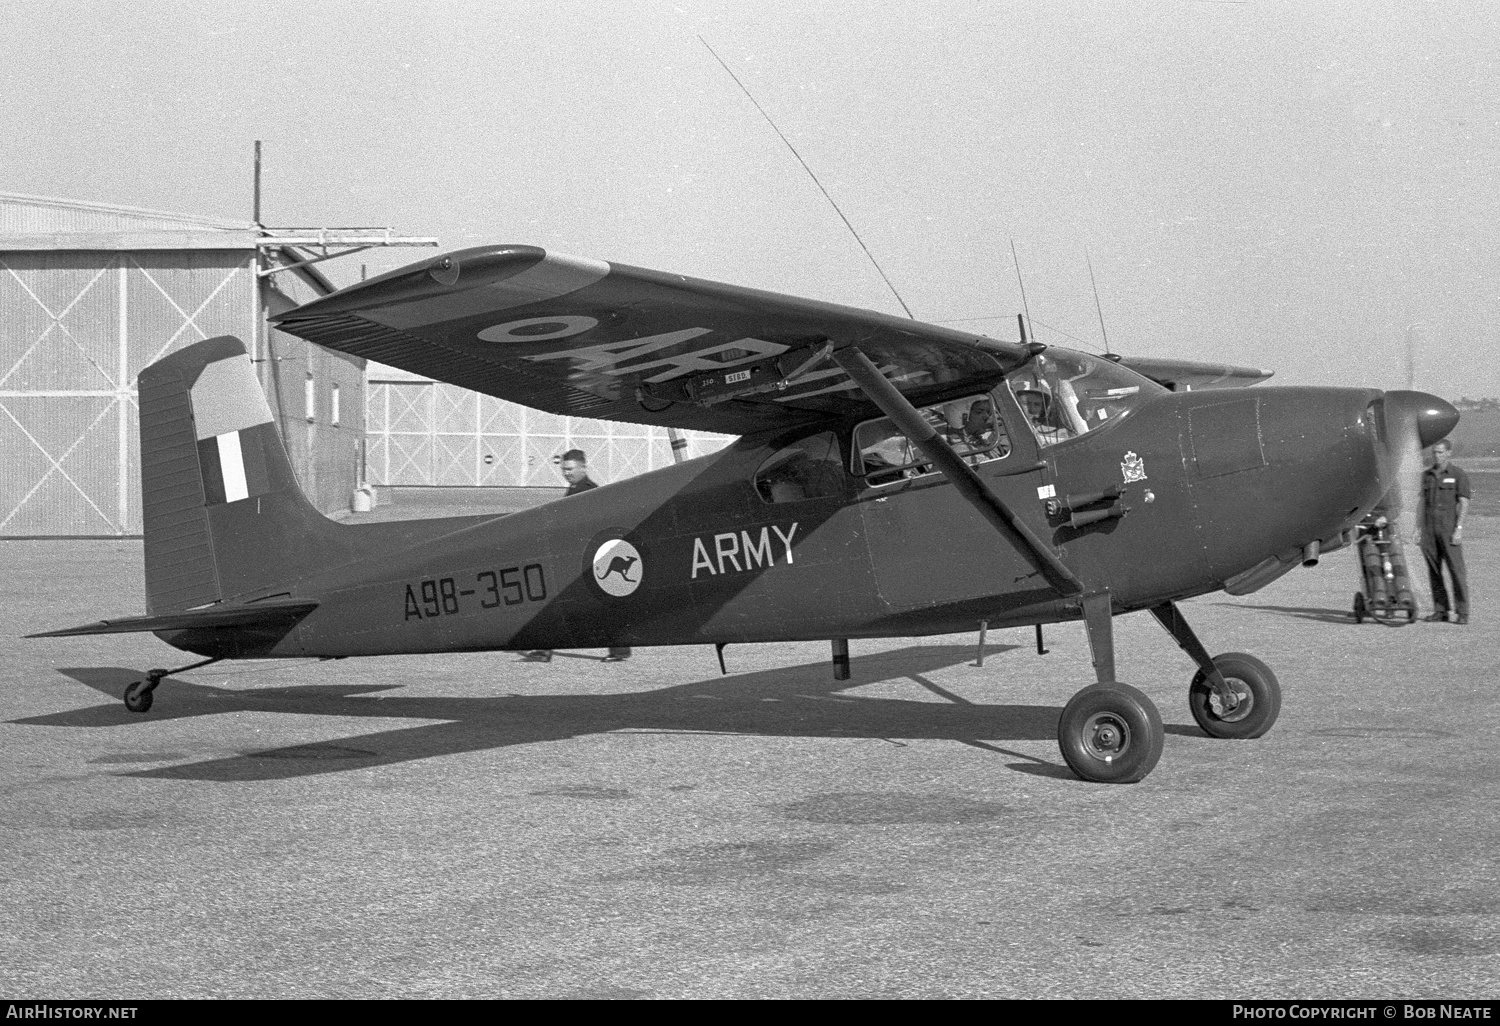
x=971, y=426
x=810, y=468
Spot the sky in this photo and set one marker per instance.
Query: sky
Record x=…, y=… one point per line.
x=1308, y=187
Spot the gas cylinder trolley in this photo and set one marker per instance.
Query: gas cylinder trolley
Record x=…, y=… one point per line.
x=1385, y=587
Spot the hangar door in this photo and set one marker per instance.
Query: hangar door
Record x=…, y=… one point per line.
x=75, y=330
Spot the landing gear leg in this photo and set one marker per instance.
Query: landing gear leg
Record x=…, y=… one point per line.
x=138, y=693
x=1109, y=732
x=1099, y=621
x=1233, y=695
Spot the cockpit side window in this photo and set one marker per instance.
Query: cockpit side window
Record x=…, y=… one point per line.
x=809, y=468
x=971, y=426
x=1065, y=394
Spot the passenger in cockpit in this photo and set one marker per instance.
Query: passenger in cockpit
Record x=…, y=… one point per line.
x=979, y=427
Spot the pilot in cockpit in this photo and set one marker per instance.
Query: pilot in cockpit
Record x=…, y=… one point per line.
x=1038, y=407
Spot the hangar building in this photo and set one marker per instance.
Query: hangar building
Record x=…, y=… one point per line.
x=91, y=293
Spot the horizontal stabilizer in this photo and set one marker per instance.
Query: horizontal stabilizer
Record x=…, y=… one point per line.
x=260, y=614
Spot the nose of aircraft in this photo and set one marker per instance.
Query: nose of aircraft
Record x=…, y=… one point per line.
x=1430, y=417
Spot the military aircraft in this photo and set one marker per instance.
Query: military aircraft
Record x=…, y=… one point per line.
x=891, y=478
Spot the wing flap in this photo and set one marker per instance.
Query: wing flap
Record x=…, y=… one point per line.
x=259, y=614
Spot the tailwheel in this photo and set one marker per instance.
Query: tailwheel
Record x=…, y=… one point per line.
x=1110, y=734
x=1250, y=706
x=138, y=695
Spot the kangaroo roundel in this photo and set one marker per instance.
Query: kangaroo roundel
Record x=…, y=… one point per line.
x=617, y=568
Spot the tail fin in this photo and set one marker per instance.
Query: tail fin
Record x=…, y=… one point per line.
x=222, y=510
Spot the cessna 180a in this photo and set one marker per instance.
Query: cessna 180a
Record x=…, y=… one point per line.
x=892, y=478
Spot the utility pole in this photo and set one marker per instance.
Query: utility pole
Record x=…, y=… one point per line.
x=258, y=222
x=1414, y=332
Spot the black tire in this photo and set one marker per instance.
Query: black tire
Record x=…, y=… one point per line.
x=1359, y=607
x=1260, y=701
x=1110, y=734
x=138, y=697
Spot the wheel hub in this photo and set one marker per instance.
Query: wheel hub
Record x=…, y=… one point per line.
x=1233, y=703
x=1105, y=736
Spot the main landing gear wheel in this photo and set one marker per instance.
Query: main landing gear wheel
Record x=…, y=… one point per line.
x=1251, y=707
x=1359, y=607
x=1110, y=734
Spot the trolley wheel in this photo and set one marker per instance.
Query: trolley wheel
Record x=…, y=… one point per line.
x=1359, y=607
x=1255, y=686
x=1110, y=734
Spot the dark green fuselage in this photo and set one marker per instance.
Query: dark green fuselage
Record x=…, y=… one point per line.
x=1216, y=483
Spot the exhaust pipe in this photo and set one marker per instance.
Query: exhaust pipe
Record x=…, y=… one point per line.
x=1310, y=554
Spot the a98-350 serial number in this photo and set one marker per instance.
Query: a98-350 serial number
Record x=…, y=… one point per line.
x=510, y=587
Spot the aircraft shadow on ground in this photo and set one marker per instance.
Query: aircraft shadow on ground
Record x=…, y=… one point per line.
x=1343, y=617
x=792, y=701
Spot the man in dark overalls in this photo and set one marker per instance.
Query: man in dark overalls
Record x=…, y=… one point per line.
x=575, y=471
x=1445, y=496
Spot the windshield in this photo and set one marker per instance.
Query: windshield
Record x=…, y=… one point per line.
x=1065, y=394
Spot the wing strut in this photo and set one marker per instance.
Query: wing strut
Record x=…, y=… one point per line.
x=969, y=484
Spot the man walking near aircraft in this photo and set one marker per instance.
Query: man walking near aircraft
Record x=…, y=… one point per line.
x=1445, y=496
x=575, y=471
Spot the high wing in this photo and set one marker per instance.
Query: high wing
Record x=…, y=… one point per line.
x=1182, y=375
x=606, y=341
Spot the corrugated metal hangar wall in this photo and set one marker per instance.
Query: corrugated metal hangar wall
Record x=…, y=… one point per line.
x=90, y=294
x=318, y=397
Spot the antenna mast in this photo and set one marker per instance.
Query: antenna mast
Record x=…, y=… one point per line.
x=814, y=177
x=1097, y=307
x=1016, y=260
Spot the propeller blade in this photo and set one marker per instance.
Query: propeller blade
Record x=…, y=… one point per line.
x=1413, y=421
